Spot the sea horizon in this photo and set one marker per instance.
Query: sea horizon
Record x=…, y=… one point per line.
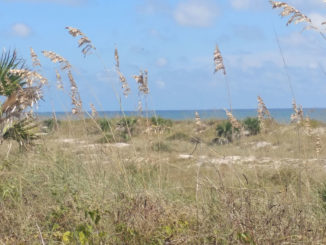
x=281, y=115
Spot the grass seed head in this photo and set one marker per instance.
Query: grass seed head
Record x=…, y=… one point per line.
x=94, y=111
x=59, y=80
x=35, y=59
x=84, y=42
x=218, y=60
x=142, y=80
x=29, y=76
x=233, y=120
x=74, y=95
x=297, y=16
x=55, y=58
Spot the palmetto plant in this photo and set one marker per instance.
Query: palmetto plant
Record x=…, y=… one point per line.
x=17, y=96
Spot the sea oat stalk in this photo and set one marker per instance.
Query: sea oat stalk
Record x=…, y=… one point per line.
x=297, y=16
x=56, y=58
x=219, y=65
x=122, y=78
x=29, y=76
x=297, y=116
x=75, y=97
x=84, y=42
x=59, y=80
x=235, y=123
x=35, y=59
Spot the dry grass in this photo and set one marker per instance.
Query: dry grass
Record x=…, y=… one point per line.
x=71, y=189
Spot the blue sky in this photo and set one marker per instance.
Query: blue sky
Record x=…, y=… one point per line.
x=175, y=41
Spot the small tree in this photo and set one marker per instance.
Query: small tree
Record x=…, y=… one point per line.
x=19, y=95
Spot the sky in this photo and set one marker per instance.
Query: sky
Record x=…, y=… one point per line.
x=175, y=41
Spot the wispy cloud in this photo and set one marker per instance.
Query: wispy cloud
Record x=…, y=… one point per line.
x=65, y=2
x=246, y=4
x=196, y=13
x=21, y=30
x=161, y=62
x=249, y=33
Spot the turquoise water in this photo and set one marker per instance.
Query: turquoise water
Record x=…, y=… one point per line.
x=280, y=115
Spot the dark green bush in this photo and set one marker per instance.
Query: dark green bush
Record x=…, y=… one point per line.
x=225, y=131
x=252, y=124
x=127, y=122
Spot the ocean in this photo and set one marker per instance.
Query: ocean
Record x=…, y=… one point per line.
x=280, y=115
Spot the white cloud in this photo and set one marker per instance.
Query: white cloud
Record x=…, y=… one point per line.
x=161, y=62
x=160, y=84
x=65, y=2
x=317, y=19
x=21, y=30
x=246, y=4
x=196, y=13
x=307, y=5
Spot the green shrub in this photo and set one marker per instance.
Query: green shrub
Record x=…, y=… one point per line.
x=127, y=122
x=159, y=121
x=104, y=124
x=225, y=131
x=252, y=124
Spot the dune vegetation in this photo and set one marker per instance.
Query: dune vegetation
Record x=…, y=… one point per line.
x=85, y=179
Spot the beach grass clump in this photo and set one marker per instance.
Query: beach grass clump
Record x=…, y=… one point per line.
x=161, y=147
x=162, y=122
x=179, y=136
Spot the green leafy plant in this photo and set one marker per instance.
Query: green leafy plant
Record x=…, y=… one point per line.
x=15, y=123
x=252, y=124
x=104, y=124
x=159, y=121
x=224, y=132
x=22, y=131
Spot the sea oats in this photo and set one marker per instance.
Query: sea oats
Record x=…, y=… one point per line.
x=122, y=78
x=142, y=80
x=262, y=109
x=262, y=112
x=74, y=31
x=116, y=57
x=200, y=127
x=318, y=146
x=94, y=111
x=307, y=126
x=20, y=100
x=218, y=60
x=29, y=76
x=233, y=120
x=140, y=106
x=84, y=42
x=297, y=116
x=297, y=16
x=59, y=80
x=74, y=95
x=55, y=58
x=34, y=57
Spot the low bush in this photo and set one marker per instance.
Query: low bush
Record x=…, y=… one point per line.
x=252, y=124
